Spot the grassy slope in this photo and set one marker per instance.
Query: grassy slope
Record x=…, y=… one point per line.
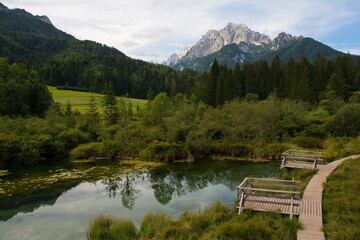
x=80, y=100
x=341, y=202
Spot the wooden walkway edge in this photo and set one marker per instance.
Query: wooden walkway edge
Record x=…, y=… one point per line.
x=311, y=207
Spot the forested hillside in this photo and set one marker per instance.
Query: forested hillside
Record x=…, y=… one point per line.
x=61, y=59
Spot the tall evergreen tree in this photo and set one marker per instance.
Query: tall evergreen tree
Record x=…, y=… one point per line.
x=238, y=85
x=212, y=84
x=111, y=112
x=275, y=72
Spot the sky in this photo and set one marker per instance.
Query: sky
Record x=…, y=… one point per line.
x=154, y=29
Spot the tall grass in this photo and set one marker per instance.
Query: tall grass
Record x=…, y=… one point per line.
x=215, y=222
x=341, y=202
x=110, y=228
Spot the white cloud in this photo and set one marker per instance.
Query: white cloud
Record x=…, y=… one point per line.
x=153, y=29
x=355, y=51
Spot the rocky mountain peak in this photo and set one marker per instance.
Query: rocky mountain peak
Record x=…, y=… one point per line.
x=174, y=58
x=281, y=39
x=20, y=11
x=214, y=40
x=44, y=19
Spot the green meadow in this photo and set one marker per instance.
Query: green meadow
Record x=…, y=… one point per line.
x=80, y=100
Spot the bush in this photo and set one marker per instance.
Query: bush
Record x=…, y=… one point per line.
x=346, y=121
x=308, y=142
x=163, y=151
x=87, y=150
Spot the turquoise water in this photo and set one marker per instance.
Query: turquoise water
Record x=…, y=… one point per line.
x=59, y=201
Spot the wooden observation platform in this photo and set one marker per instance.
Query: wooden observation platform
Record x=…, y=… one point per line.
x=301, y=159
x=262, y=194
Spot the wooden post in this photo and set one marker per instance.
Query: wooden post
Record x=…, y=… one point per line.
x=283, y=162
x=291, y=206
x=241, y=201
x=315, y=163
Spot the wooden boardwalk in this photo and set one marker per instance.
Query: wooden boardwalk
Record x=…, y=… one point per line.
x=310, y=206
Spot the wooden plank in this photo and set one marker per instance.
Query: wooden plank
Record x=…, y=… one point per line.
x=275, y=185
x=271, y=202
x=304, y=151
x=271, y=195
x=303, y=154
x=300, y=158
x=274, y=180
x=243, y=182
x=269, y=190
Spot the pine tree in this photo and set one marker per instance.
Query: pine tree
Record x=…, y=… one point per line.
x=238, y=85
x=111, y=112
x=276, y=73
x=212, y=84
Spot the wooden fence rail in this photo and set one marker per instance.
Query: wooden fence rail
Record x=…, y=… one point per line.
x=301, y=159
x=263, y=194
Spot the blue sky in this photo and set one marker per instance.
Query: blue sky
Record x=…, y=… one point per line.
x=154, y=29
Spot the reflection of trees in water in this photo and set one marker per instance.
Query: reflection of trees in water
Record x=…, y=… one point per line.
x=125, y=187
x=180, y=179
x=175, y=181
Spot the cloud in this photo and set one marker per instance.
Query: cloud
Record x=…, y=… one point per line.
x=166, y=26
x=355, y=51
x=130, y=44
x=151, y=32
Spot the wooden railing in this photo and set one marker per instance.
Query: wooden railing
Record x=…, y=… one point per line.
x=301, y=159
x=263, y=194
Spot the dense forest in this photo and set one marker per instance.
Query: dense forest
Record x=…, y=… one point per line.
x=210, y=119
x=257, y=109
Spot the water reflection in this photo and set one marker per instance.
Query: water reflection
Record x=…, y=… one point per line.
x=65, y=198
x=125, y=187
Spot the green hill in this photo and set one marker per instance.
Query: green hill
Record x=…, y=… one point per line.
x=302, y=46
x=63, y=60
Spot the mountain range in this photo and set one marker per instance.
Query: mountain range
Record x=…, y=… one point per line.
x=237, y=43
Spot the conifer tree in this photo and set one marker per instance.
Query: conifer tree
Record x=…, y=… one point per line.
x=111, y=112
x=212, y=84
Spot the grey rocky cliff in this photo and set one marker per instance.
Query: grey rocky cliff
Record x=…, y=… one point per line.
x=44, y=19
x=281, y=39
x=174, y=58
x=214, y=40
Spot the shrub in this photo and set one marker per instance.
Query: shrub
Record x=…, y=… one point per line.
x=87, y=150
x=163, y=151
x=308, y=142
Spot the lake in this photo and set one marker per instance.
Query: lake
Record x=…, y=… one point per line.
x=58, y=201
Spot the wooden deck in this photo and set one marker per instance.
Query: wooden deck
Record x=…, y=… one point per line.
x=259, y=194
x=311, y=208
x=301, y=159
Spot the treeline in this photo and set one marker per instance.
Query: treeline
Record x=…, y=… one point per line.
x=94, y=66
x=297, y=80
